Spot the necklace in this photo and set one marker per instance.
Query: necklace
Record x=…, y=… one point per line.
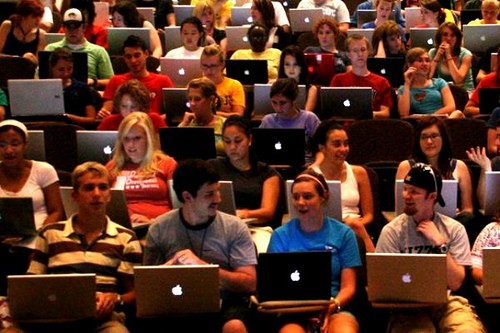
x=25, y=34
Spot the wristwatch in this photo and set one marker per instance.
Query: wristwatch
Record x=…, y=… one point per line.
x=119, y=300
x=443, y=249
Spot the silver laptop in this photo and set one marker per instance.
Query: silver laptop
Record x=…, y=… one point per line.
x=102, y=17
x=35, y=150
x=479, y=38
x=148, y=13
x=423, y=37
x=53, y=37
x=367, y=33
x=413, y=17
x=406, y=278
x=333, y=208
x=449, y=192
x=241, y=16
x=303, y=19
x=166, y=290
x=261, y=100
x=181, y=70
x=237, y=38
x=95, y=145
x=492, y=193
x=116, y=37
x=182, y=12
x=346, y=102
x=491, y=274
x=172, y=38
x=116, y=209
x=32, y=97
x=51, y=297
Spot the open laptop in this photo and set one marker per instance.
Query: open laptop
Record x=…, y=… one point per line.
x=262, y=104
x=292, y=276
x=182, y=12
x=181, y=70
x=53, y=37
x=368, y=15
x=489, y=99
x=95, y=145
x=175, y=102
x=51, y=297
x=492, y=192
x=102, y=17
x=423, y=37
x=303, y=19
x=148, y=13
x=346, y=102
x=468, y=15
x=32, y=97
x=80, y=65
x=320, y=68
x=406, y=278
x=173, y=38
x=188, y=142
x=479, y=38
x=368, y=33
x=491, y=274
x=237, y=38
x=248, y=72
x=116, y=37
x=413, y=17
x=183, y=290
x=35, y=150
x=17, y=217
x=241, y=16
x=279, y=146
x=390, y=68
x=333, y=208
x=449, y=192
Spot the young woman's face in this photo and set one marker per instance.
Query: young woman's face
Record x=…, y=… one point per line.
x=282, y=105
x=429, y=17
x=128, y=105
x=135, y=144
x=306, y=200
x=384, y=10
x=326, y=36
x=422, y=63
x=431, y=141
x=118, y=20
x=449, y=37
x=256, y=14
x=236, y=143
x=199, y=104
x=63, y=69
x=336, y=147
x=394, y=43
x=207, y=17
x=190, y=36
x=12, y=147
x=291, y=68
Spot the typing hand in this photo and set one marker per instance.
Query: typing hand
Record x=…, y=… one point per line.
x=105, y=304
x=185, y=257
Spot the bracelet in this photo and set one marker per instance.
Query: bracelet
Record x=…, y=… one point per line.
x=337, y=305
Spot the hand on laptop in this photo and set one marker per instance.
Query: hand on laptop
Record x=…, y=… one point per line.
x=105, y=304
x=185, y=257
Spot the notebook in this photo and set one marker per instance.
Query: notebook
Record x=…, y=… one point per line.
x=80, y=65
x=237, y=38
x=182, y=12
x=303, y=19
x=413, y=17
x=116, y=37
x=467, y=15
x=489, y=99
x=184, y=290
x=368, y=15
x=148, y=13
x=422, y=37
x=292, y=276
x=188, y=142
x=53, y=37
x=492, y=192
x=33, y=97
x=491, y=274
x=102, y=17
x=17, y=218
x=173, y=38
x=35, y=150
x=175, y=103
x=181, y=71
x=449, y=192
x=261, y=100
x=279, y=146
x=116, y=209
x=368, y=33
x=248, y=72
x=241, y=16
x=346, y=102
x=479, y=38
x=390, y=68
x=51, y=297
x=320, y=68
x=333, y=208
x=95, y=145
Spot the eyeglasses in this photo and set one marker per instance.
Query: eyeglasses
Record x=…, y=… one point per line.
x=433, y=137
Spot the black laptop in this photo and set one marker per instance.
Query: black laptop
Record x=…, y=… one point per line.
x=16, y=217
x=248, y=72
x=188, y=142
x=467, y=15
x=80, y=65
x=346, y=102
x=279, y=146
x=489, y=99
x=390, y=68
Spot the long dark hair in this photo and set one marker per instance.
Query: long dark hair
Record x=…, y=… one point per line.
x=245, y=125
x=296, y=52
x=455, y=30
x=131, y=15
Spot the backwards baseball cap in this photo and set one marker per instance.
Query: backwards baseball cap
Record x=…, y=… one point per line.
x=17, y=124
x=426, y=177
x=72, y=16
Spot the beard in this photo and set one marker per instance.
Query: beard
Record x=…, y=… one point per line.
x=410, y=210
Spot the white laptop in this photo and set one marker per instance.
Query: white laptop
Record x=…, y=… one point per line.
x=182, y=12
x=412, y=17
x=51, y=297
x=241, y=16
x=423, y=37
x=181, y=70
x=53, y=37
x=492, y=192
x=262, y=104
x=36, y=97
x=449, y=192
x=102, y=17
x=95, y=145
x=148, y=13
x=167, y=290
x=333, y=207
x=304, y=19
x=491, y=274
x=116, y=37
x=479, y=38
x=237, y=38
x=395, y=278
x=172, y=38
x=35, y=150
x=367, y=33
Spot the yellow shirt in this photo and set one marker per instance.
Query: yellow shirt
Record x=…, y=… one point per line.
x=272, y=56
x=231, y=93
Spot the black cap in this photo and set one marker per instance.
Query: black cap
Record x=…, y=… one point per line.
x=425, y=176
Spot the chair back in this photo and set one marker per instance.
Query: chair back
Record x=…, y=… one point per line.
x=464, y=134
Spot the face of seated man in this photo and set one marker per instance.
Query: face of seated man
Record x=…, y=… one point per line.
x=258, y=38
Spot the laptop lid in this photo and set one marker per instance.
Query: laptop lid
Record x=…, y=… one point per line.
x=369, y=15
x=390, y=68
x=346, y=102
x=33, y=97
x=491, y=273
x=467, y=15
x=423, y=37
x=182, y=12
x=80, y=65
x=261, y=100
x=479, y=38
x=51, y=297
x=188, y=142
x=184, y=290
x=181, y=70
x=35, y=150
x=320, y=68
x=17, y=217
x=95, y=145
x=401, y=277
x=492, y=193
x=449, y=192
x=175, y=103
x=237, y=38
x=368, y=33
x=280, y=146
x=248, y=72
x=172, y=38
x=102, y=17
x=294, y=276
x=53, y=37
x=241, y=16
x=413, y=17
x=303, y=19
x=116, y=37
x=148, y=13
x=333, y=207
x=489, y=99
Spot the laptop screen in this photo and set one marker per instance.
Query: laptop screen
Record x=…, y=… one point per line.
x=95, y=145
x=248, y=72
x=80, y=65
x=188, y=142
x=280, y=146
